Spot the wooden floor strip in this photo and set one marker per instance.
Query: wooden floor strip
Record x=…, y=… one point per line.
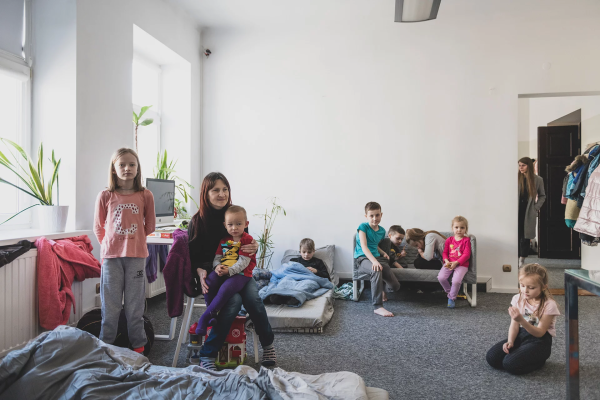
x=561, y=292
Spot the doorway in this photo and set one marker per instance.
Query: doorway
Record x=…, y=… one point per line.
x=557, y=147
x=552, y=130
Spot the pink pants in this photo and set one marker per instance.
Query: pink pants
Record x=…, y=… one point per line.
x=459, y=273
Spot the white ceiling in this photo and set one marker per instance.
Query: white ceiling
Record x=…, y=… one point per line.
x=257, y=13
x=365, y=14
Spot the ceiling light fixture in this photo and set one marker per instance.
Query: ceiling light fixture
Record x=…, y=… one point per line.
x=416, y=10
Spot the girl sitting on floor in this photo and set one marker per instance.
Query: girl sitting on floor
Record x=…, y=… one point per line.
x=533, y=312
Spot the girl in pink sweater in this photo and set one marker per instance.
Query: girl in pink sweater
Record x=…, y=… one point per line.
x=124, y=217
x=457, y=252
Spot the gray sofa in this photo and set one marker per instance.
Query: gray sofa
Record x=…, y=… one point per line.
x=410, y=274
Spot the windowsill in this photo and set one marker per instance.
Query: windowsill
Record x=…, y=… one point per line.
x=13, y=236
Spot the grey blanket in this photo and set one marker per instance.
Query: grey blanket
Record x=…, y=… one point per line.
x=71, y=364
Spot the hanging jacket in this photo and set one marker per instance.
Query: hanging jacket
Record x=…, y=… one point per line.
x=178, y=274
x=571, y=213
x=575, y=184
x=589, y=216
x=594, y=157
x=59, y=263
x=10, y=253
x=155, y=252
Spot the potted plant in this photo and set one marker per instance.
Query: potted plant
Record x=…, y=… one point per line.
x=137, y=123
x=265, y=238
x=165, y=169
x=52, y=218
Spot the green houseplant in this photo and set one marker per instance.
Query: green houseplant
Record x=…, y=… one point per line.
x=265, y=238
x=137, y=123
x=165, y=169
x=52, y=216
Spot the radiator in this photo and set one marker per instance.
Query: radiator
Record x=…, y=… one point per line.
x=19, y=303
x=158, y=286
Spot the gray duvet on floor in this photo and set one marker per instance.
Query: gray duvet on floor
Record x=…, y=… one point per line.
x=68, y=363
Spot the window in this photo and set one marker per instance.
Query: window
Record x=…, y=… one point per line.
x=15, y=100
x=147, y=92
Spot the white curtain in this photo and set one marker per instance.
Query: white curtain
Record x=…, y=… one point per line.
x=11, y=26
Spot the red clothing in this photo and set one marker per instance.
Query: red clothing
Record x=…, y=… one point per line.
x=122, y=222
x=458, y=251
x=59, y=263
x=231, y=251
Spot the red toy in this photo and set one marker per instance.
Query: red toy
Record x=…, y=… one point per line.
x=233, y=352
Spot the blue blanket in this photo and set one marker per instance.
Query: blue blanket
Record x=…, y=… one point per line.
x=294, y=280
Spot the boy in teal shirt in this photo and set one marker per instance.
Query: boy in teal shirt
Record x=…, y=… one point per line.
x=371, y=260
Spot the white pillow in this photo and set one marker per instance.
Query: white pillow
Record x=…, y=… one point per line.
x=326, y=253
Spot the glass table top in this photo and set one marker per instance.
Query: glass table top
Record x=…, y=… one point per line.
x=591, y=276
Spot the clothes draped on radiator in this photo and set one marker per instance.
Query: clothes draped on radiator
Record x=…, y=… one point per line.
x=59, y=263
x=11, y=252
x=156, y=252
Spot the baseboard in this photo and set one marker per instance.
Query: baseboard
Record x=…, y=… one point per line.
x=346, y=276
x=514, y=290
x=484, y=284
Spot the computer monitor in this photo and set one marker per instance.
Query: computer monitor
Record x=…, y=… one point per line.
x=164, y=199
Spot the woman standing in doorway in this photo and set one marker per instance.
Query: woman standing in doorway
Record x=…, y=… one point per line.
x=531, y=199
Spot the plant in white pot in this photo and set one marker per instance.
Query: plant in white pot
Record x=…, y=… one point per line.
x=52, y=218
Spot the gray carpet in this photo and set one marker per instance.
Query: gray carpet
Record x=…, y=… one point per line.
x=556, y=269
x=426, y=351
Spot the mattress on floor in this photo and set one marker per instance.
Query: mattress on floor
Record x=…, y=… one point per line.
x=310, y=318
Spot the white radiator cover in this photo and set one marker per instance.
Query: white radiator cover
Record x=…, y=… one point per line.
x=19, y=321
x=157, y=287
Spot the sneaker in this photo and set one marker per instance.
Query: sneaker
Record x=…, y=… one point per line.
x=139, y=350
x=208, y=363
x=451, y=303
x=269, y=359
x=195, y=359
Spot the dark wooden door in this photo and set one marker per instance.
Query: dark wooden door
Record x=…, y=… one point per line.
x=557, y=147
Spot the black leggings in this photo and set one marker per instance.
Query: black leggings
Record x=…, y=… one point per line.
x=528, y=354
x=421, y=263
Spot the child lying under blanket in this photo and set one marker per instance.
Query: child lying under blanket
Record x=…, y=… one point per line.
x=292, y=284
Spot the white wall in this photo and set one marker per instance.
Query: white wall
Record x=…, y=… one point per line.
x=335, y=108
x=83, y=102
x=523, y=128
